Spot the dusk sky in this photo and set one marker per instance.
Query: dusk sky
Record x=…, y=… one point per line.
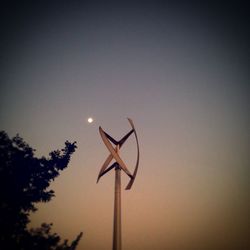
x=180, y=71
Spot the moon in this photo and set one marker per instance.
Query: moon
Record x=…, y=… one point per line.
x=90, y=120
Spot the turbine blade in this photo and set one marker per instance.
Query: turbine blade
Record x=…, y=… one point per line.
x=104, y=166
x=138, y=157
x=111, y=138
x=125, y=137
x=107, y=170
x=109, y=158
x=114, y=153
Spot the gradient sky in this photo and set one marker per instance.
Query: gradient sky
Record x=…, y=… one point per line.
x=180, y=71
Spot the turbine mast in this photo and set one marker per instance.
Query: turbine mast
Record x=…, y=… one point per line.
x=118, y=166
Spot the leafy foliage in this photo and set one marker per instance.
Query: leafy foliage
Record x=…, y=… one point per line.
x=24, y=181
x=41, y=239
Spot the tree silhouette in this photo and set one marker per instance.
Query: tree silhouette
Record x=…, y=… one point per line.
x=24, y=181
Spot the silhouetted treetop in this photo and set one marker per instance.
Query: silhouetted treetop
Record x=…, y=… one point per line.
x=25, y=178
x=24, y=181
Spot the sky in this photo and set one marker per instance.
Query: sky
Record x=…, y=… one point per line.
x=180, y=71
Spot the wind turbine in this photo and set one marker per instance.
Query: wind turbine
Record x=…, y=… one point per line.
x=118, y=166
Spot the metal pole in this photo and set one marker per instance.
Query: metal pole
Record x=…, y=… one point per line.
x=117, y=239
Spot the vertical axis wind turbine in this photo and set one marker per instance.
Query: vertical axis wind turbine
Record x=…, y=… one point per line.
x=118, y=166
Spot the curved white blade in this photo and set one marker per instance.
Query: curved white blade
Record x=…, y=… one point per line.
x=138, y=157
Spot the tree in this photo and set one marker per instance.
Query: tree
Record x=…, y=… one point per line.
x=24, y=181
